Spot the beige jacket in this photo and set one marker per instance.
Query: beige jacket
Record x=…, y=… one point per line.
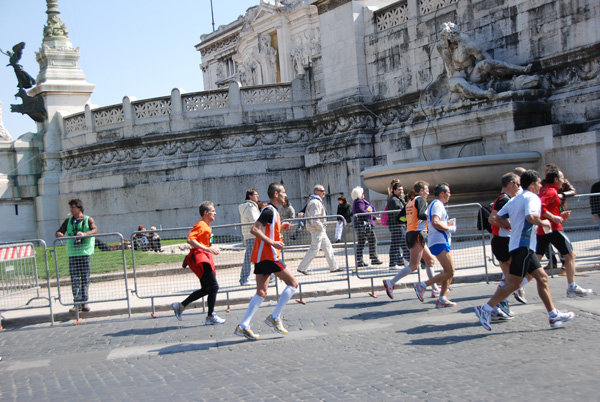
x=315, y=208
x=249, y=213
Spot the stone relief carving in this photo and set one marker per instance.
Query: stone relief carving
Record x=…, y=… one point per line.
x=588, y=70
x=259, y=65
x=344, y=124
x=54, y=25
x=179, y=148
x=472, y=73
x=305, y=48
x=268, y=60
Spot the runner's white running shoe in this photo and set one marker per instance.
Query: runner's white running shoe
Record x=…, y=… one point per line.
x=558, y=319
x=578, y=292
x=389, y=288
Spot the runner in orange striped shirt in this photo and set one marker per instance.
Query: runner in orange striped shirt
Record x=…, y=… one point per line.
x=266, y=256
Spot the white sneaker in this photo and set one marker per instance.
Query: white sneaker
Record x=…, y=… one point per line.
x=389, y=288
x=214, y=320
x=578, y=292
x=558, y=319
x=484, y=317
x=395, y=268
x=177, y=310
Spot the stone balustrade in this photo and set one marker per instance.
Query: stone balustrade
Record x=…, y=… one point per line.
x=403, y=10
x=182, y=112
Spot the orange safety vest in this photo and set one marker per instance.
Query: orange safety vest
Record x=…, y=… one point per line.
x=263, y=251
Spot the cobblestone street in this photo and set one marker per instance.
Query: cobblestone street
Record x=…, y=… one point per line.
x=337, y=349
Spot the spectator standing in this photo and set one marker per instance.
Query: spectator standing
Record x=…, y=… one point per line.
x=345, y=210
x=397, y=226
x=79, y=251
x=364, y=228
x=249, y=212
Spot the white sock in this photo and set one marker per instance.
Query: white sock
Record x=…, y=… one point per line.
x=572, y=286
x=487, y=308
x=403, y=272
x=553, y=313
x=252, y=308
x=430, y=274
x=285, y=297
x=525, y=280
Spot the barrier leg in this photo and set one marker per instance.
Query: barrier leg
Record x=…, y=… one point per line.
x=372, y=293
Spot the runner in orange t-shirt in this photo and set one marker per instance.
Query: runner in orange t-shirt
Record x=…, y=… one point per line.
x=200, y=260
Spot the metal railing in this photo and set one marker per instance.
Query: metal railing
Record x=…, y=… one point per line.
x=97, y=281
x=304, y=235
x=20, y=285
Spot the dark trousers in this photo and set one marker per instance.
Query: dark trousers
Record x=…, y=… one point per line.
x=79, y=268
x=209, y=286
x=366, y=234
x=398, y=243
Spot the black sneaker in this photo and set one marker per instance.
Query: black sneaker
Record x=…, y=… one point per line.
x=376, y=261
x=360, y=264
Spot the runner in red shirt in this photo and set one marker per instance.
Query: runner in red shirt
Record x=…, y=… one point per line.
x=551, y=210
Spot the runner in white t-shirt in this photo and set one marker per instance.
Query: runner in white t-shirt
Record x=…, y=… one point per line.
x=524, y=212
x=438, y=241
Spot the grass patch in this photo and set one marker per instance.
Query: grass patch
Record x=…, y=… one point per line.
x=104, y=261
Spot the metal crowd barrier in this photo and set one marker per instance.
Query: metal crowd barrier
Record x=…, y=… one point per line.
x=20, y=286
x=105, y=283
x=159, y=272
x=583, y=233
x=469, y=248
x=298, y=241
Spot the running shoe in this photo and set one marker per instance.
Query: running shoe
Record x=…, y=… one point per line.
x=276, y=325
x=336, y=270
x=389, y=288
x=558, y=319
x=499, y=315
x=520, y=296
x=246, y=333
x=484, y=317
x=376, y=261
x=304, y=272
x=444, y=303
x=503, y=305
x=360, y=264
x=419, y=289
x=177, y=310
x=435, y=293
x=578, y=292
x=214, y=320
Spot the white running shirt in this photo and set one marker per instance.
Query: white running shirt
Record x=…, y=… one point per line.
x=523, y=232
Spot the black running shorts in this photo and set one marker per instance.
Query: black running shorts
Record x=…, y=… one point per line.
x=415, y=237
x=524, y=261
x=558, y=239
x=500, y=248
x=268, y=267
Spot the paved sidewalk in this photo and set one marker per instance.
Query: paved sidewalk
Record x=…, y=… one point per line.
x=338, y=349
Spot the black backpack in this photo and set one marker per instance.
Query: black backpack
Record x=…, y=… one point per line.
x=483, y=218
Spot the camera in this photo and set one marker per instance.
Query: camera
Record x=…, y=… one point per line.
x=78, y=242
